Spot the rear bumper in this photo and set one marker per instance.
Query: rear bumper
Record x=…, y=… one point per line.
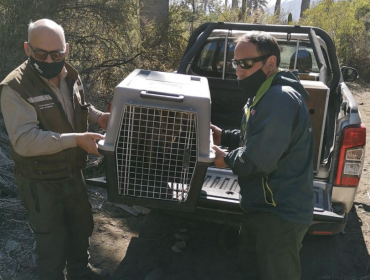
x=328, y=223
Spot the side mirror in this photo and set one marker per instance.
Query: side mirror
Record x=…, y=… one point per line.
x=349, y=74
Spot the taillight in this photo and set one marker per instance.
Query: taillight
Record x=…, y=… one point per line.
x=351, y=156
x=109, y=106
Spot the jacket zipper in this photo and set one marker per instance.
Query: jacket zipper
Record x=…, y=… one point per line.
x=265, y=187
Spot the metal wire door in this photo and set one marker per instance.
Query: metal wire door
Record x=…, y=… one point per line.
x=156, y=153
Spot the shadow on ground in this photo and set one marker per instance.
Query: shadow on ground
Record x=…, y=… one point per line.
x=340, y=257
x=211, y=252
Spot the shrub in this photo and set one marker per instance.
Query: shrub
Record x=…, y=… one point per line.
x=350, y=34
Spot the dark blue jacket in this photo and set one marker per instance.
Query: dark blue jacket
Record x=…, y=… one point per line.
x=272, y=154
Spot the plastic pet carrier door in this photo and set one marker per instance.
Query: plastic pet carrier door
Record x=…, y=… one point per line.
x=157, y=146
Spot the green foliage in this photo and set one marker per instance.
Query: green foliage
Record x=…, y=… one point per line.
x=347, y=22
x=108, y=39
x=103, y=36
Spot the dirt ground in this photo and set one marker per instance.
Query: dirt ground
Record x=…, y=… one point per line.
x=140, y=247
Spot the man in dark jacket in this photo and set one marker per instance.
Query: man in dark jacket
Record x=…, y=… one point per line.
x=272, y=156
x=45, y=114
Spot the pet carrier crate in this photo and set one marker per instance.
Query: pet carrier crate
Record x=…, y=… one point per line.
x=158, y=140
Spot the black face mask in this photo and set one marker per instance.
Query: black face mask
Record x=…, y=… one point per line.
x=47, y=70
x=251, y=84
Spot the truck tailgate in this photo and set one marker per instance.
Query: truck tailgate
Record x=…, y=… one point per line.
x=220, y=190
x=220, y=193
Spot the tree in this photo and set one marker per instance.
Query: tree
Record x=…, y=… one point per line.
x=258, y=4
x=304, y=6
x=244, y=7
x=277, y=7
x=154, y=10
x=250, y=7
x=105, y=37
x=290, y=18
x=350, y=36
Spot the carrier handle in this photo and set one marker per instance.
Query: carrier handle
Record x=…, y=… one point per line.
x=161, y=96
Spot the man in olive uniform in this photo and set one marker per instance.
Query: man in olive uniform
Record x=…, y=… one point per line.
x=46, y=116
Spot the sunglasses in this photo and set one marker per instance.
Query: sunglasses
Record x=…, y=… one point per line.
x=56, y=56
x=247, y=63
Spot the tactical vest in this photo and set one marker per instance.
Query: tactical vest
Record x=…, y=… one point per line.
x=51, y=116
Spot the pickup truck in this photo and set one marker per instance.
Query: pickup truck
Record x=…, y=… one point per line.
x=339, y=135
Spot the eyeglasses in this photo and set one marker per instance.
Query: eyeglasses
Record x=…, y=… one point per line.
x=56, y=56
x=247, y=63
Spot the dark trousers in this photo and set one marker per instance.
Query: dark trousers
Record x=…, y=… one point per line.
x=270, y=247
x=61, y=219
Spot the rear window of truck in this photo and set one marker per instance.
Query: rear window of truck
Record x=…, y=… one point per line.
x=210, y=61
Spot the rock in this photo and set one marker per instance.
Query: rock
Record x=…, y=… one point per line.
x=13, y=247
x=191, y=225
x=180, y=244
x=34, y=258
x=156, y=274
x=175, y=249
x=12, y=267
x=128, y=209
x=181, y=237
x=183, y=230
x=141, y=209
x=113, y=223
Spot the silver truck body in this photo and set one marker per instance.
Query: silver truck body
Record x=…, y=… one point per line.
x=340, y=134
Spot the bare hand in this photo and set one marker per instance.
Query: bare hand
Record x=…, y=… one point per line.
x=103, y=120
x=87, y=142
x=216, y=133
x=219, y=160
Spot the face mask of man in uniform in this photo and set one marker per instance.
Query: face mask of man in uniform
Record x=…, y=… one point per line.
x=45, y=69
x=252, y=83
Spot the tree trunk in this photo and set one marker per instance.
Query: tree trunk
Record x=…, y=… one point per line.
x=242, y=10
x=205, y=4
x=234, y=4
x=156, y=10
x=249, y=6
x=290, y=18
x=277, y=7
x=304, y=6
